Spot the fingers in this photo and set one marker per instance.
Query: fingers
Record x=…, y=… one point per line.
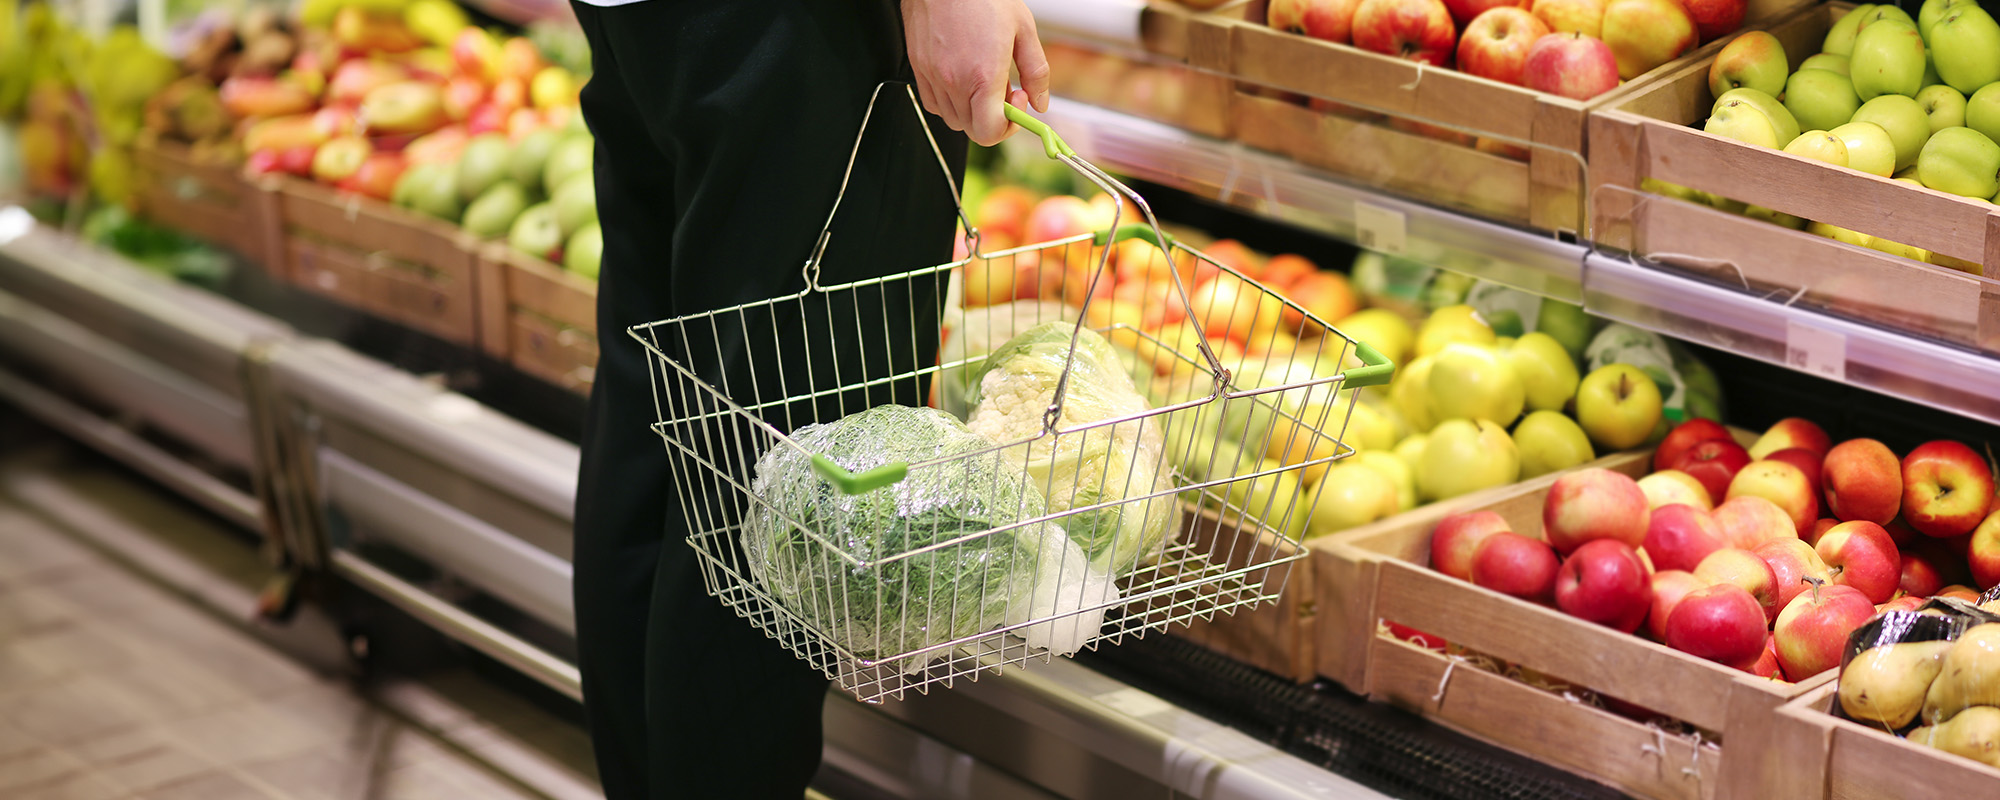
x=1033, y=65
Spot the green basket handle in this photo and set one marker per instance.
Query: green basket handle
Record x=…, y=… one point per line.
x=1052, y=144
x=1376, y=368
x=859, y=482
x=1133, y=231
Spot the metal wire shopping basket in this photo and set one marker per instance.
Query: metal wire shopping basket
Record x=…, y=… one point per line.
x=1079, y=503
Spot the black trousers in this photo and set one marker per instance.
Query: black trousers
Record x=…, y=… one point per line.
x=722, y=132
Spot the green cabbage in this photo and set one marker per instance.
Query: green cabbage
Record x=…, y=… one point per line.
x=1087, y=467
x=885, y=609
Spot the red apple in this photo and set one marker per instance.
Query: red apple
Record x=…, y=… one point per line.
x=340, y=158
x=1749, y=521
x=477, y=55
x=1415, y=30
x=1404, y=633
x=377, y=176
x=1464, y=12
x=1819, y=528
x=1903, y=534
x=253, y=96
x=1604, y=582
x=1713, y=18
x=1572, y=65
x=1571, y=16
x=1863, y=481
x=1331, y=20
x=1457, y=537
x=1715, y=463
x=1766, y=665
x=1679, y=536
x=1908, y=602
x=1966, y=593
x=1669, y=586
x=353, y=80
x=1812, y=631
x=1794, y=564
x=1782, y=484
x=1684, y=436
x=1721, y=623
x=1788, y=433
x=1947, y=489
x=1495, y=45
x=1594, y=503
x=1808, y=462
x=1860, y=554
x=1743, y=569
x=1918, y=577
x=1983, y=552
x=1667, y=487
x=1515, y=565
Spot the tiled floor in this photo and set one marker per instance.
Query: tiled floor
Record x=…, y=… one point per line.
x=111, y=687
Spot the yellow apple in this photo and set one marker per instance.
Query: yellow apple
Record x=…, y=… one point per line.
x=1549, y=442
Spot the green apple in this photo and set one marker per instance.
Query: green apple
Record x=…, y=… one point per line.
x=536, y=231
x=1869, y=148
x=1960, y=161
x=1775, y=217
x=406, y=185
x=1272, y=497
x=1930, y=73
x=1738, y=119
x=1904, y=118
x=1567, y=322
x=1884, y=11
x=1411, y=394
x=1982, y=111
x=483, y=164
x=1754, y=60
x=1367, y=427
x=1888, y=59
x=1825, y=61
x=1898, y=249
x=1452, y=323
x=1853, y=237
x=1821, y=100
x=1673, y=190
x=1546, y=369
x=572, y=156
x=436, y=192
x=1350, y=495
x=1618, y=406
x=1819, y=146
x=493, y=213
x=1782, y=121
x=1464, y=456
x=1398, y=472
x=1840, y=37
x=584, y=251
x=1943, y=106
x=576, y=203
x=530, y=156
x=1934, y=10
x=1550, y=441
x=1965, y=48
x=1472, y=382
x=1411, y=449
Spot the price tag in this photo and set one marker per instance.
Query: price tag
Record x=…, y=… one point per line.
x=1816, y=350
x=1133, y=703
x=1380, y=229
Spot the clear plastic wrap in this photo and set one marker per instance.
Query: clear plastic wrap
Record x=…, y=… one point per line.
x=873, y=609
x=1923, y=672
x=1087, y=467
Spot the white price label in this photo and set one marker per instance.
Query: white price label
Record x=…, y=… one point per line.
x=1816, y=350
x=1133, y=703
x=1380, y=229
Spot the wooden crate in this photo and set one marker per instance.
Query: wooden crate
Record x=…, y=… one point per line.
x=210, y=200
x=1542, y=188
x=1649, y=133
x=538, y=317
x=1380, y=573
x=1836, y=758
x=1276, y=637
x=400, y=266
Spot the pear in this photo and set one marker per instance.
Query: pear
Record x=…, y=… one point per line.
x=1887, y=684
x=1968, y=677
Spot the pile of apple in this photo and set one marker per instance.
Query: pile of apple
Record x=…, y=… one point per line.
x=1574, y=48
x=1914, y=99
x=1760, y=581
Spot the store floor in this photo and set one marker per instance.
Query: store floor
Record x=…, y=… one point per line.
x=115, y=686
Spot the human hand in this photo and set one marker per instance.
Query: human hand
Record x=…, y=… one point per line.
x=960, y=50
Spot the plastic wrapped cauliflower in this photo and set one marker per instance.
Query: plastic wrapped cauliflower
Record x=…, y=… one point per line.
x=973, y=333
x=821, y=553
x=1087, y=467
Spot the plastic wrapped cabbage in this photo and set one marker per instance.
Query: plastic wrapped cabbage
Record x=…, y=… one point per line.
x=1088, y=467
x=1004, y=578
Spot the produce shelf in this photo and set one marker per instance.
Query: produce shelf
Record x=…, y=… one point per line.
x=1284, y=190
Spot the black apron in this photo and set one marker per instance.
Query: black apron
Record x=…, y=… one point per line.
x=722, y=131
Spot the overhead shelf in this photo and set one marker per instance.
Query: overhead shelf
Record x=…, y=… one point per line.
x=1761, y=326
x=1282, y=189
